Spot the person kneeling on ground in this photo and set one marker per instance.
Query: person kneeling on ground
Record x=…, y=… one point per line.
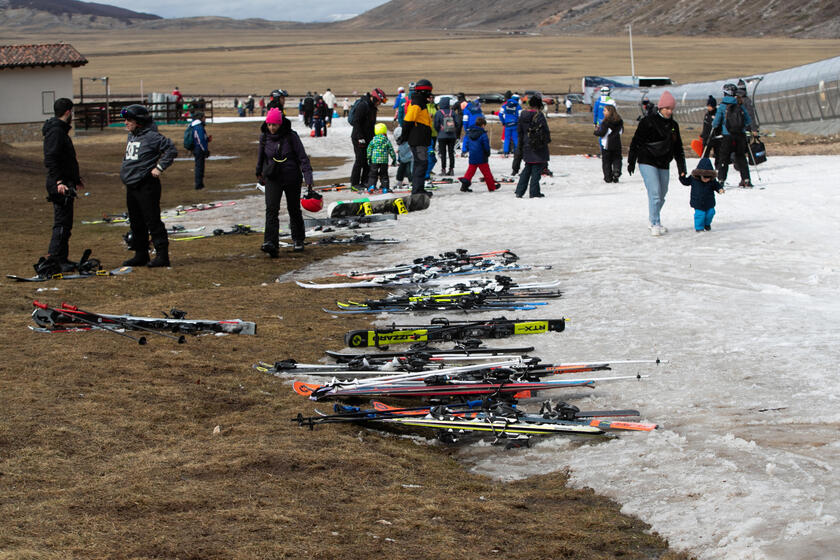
x=704, y=184
x=282, y=164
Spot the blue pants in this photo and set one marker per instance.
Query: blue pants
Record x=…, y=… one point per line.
x=511, y=137
x=703, y=218
x=656, y=183
x=432, y=162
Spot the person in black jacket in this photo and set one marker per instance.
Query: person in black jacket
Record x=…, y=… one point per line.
x=656, y=142
x=532, y=149
x=62, y=179
x=610, y=131
x=364, y=119
x=710, y=142
x=320, y=115
x=147, y=154
x=704, y=185
x=281, y=165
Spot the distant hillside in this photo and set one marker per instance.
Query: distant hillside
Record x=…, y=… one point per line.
x=65, y=8
x=751, y=18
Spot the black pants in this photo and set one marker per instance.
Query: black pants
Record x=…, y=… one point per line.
x=199, y=168
x=421, y=162
x=274, y=191
x=737, y=144
x=611, y=164
x=143, y=202
x=380, y=171
x=404, y=170
x=62, y=224
x=446, y=146
x=361, y=169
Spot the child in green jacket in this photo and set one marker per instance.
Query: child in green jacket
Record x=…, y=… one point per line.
x=378, y=151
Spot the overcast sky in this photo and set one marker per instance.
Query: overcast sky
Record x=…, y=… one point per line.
x=285, y=10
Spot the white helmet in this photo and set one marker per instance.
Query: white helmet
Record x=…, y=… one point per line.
x=605, y=90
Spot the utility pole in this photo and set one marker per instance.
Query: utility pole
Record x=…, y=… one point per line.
x=632, y=62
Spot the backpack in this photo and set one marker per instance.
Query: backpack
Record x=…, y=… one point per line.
x=734, y=119
x=448, y=123
x=189, y=138
x=538, y=132
x=351, y=116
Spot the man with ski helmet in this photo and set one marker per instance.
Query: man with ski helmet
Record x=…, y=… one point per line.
x=597, y=107
x=732, y=120
x=417, y=130
x=362, y=118
x=278, y=99
x=148, y=153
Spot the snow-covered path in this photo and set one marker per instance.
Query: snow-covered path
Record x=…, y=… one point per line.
x=746, y=462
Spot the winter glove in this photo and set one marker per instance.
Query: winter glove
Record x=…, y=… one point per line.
x=631, y=167
x=260, y=180
x=685, y=180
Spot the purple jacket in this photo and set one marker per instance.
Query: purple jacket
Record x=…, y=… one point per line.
x=281, y=156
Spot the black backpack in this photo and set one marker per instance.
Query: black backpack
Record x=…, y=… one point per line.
x=538, y=132
x=734, y=119
x=352, y=116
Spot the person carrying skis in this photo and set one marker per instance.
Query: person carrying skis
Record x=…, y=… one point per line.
x=147, y=154
x=363, y=119
x=704, y=185
x=282, y=164
x=418, y=132
x=656, y=142
x=534, y=138
x=478, y=146
x=610, y=131
x=201, y=147
x=379, y=151
x=509, y=117
x=62, y=179
x=446, y=122
x=733, y=121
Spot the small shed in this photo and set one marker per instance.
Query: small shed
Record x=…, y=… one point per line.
x=32, y=77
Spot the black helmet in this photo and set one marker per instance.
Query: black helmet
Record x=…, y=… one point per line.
x=137, y=113
x=729, y=89
x=275, y=93
x=423, y=85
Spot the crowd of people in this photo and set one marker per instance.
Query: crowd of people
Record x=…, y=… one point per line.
x=424, y=129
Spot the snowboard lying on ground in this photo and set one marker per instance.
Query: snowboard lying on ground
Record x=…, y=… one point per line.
x=378, y=204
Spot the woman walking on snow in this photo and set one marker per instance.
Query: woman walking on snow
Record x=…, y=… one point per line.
x=657, y=141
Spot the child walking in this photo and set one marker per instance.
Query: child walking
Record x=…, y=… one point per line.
x=405, y=158
x=704, y=184
x=610, y=130
x=379, y=150
x=478, y=147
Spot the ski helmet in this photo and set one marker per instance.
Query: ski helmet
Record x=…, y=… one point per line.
x=605, y=90
x=729, y=89
x=275, y=93
x=377, y=93
x=424, y=87
x=380, y=128
x=136, y=113
x=312, y=201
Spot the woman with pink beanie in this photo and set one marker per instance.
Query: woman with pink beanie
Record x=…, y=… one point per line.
x=656, y=142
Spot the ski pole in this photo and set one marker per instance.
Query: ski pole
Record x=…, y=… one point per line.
x=752, y=153
x=127, y=324
x=141, y=340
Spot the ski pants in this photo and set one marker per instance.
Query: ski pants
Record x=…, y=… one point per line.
x=738, y=144
x=62, y=224
x=703, y=218
x=485, y=172
x=143, y=203
x=274, y=191
x=421, y=162
x=611, y=164
x=379, y=171
x=529, y=178
x=361, y=169
x=511, y=139
x=446, y=147
x=199, y=156
x=431, y=163
x=404, y=171
x=656, y=183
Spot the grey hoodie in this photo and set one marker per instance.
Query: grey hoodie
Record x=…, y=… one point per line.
x=146, y=149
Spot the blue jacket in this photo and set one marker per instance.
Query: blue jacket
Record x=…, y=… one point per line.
x=598, y=108
x=478, y=145
x=199, y=137
x=509, y=113
x=471, y=112
x=720, y=116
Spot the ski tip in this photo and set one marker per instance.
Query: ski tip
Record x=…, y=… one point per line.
x=304, y=389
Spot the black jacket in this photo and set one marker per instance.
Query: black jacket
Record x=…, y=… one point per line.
x=59, y=156
x=707, y=126
x=612, y=130
x=284, y=153
x=652, y=129
x=524, y=151
x=365, y=117
x=702, y=194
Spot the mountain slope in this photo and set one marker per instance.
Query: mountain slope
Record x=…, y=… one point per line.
x=64, y=8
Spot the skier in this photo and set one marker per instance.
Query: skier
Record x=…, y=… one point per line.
x=478, y=146
x=147, y=154
x=597, y=107
x=418, y=131
x=710, y=143
x=201, y=147
x=509, y=116
x=62, y=179
x=733, y=121
x=378, y=152
x=610, y=131
x=703, y=182
x=281, y=165
x=278, y=99
x=471, y=112
x=364, y=118
x=656, y=142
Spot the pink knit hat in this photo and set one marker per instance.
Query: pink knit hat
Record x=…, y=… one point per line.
x=667, y=101
x=275, y=116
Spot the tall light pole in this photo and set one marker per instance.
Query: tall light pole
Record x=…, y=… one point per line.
x=632, y=62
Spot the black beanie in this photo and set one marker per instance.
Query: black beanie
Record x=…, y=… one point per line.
x=711, y=102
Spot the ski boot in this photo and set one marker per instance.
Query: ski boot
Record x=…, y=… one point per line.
x=161, y=257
